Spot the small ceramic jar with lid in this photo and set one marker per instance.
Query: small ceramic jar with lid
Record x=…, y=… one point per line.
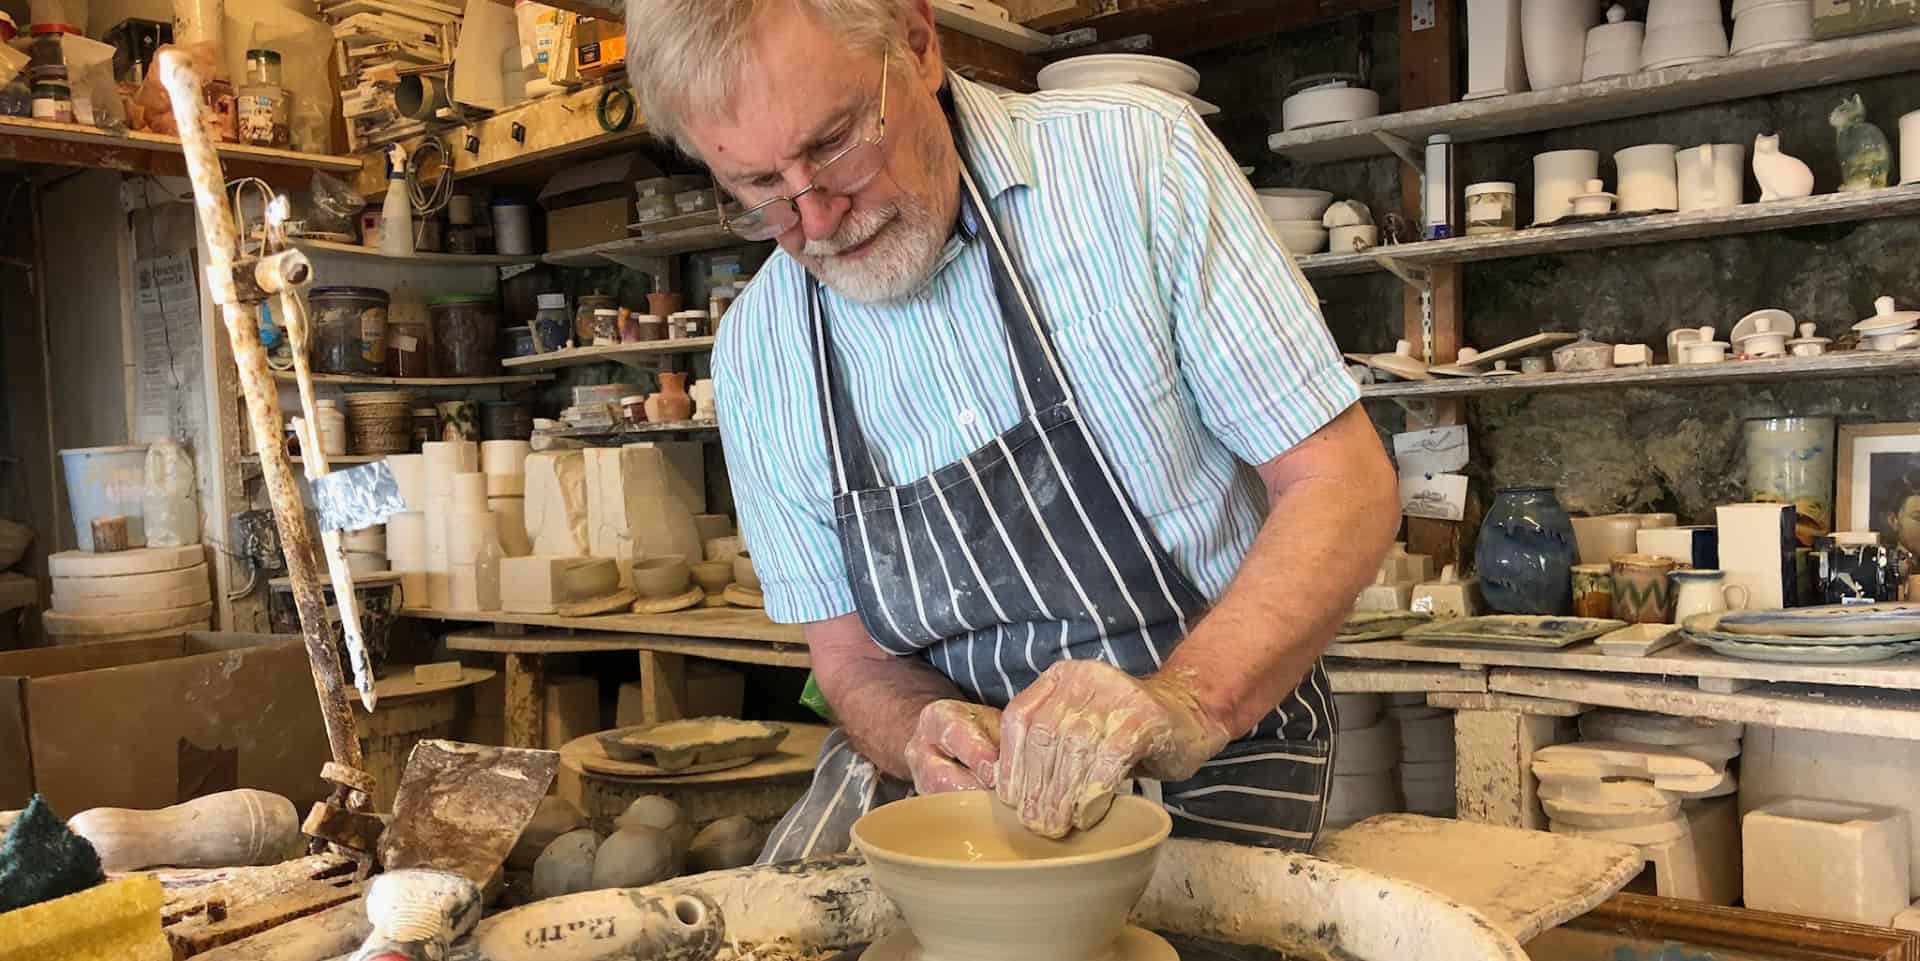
x=1595, y=201
x=1583, y=354
x=606, y=327
x=1808, y=345
x=1490, y=208
x=633, y=409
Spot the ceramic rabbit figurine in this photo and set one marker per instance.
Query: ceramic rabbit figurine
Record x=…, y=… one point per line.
x=1781, y=177
x=1864, y=154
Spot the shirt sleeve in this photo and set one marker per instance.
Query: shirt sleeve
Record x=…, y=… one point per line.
x=781, y=484
x=1254, y=351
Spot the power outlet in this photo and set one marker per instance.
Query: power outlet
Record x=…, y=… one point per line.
x=1424, y=16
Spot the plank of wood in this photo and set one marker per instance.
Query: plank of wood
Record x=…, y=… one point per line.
x=663, y=687
x=1047, y=14
x=1632, y=95
x=1524, y=882
x=769, y=654
x=720, y=623
x=1490, y=701
x=1848, y=364
x=26, y=140
x=1683, y=660
x=1367, y=678
x=526, y=700
x=1893, y=714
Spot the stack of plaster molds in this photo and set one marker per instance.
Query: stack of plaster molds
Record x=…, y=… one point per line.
x=1426, y=770
x=1366, y=751
x=505, y=464
x=124, y=595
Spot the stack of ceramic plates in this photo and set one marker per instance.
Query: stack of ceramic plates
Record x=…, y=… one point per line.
x=1762, y=25
x=1841, y=634
x=1106, y=69
x=1295, y=214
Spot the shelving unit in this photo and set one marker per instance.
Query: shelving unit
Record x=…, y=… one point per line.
x=670, y=427
x=375, y=380
x=643, y=247
x=619, y=353
x=424, y=259
x=1849, y=364
x=1628, y=231
x=333, y=460
x=25, y=140
x=1633, y=95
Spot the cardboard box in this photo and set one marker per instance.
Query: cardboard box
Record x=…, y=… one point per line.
x=592, y=222
x=1845, y=18
x=149, y=723
x=593, y=202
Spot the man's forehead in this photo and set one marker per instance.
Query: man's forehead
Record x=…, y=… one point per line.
x=785, y=97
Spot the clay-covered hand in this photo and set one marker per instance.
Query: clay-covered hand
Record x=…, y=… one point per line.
x=1071, y=737
x=954, y=747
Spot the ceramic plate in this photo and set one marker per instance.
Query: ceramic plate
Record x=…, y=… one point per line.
x=1807, y=653
x=1508, y=351
x=1708, y=627
x=1515, y=630
x=1833, y=620
x=1379, y=625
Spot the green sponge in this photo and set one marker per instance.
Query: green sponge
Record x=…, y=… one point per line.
x=41, y=860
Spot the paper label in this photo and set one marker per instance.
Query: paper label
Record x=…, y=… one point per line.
x=1437, y=450
x=404, y=344
x=1438, y=496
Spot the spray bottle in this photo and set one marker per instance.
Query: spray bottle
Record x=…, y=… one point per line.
x=396, y=214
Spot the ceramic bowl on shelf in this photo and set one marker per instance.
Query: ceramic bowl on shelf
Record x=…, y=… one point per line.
x=1772, y=26
x=1353, y=238
x=1889, y=327
x=1097, y=70
x=1336, y=101
x=1294, y=203
x=1301, y=237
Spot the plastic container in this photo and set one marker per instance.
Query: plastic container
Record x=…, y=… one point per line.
x=606, y=327
x=265, y=111
x=349, y=329
x=104, y=482
x=466, y=335
x=512, y=225
x=332, y=427
x=520, y=341
x=1490, y=208
x=53, y=101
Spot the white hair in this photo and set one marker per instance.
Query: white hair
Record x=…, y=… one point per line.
x=685, y=57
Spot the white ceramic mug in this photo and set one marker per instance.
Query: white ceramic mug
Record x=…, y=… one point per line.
x=1648, y=177
x=1712, y=175
x=1704, y=592
x=1910, y=148
x=1557, y=176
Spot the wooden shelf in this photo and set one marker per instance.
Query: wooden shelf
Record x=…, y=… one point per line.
x=1628, y=231
x=26, y=140
x=1176, y=28
x=620, y=353
x=1634, y=95
x=672, y=427
x=333, y=460
x=1857, y=363
x=425, y=259
x=711, y=237
x=375, y=380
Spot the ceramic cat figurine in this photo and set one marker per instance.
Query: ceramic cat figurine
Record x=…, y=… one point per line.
x=1781, y=177
x=1862, y=147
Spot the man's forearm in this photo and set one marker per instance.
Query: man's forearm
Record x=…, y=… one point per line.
x=876, y=696
x=1322, y=541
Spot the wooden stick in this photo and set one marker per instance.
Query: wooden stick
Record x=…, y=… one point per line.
x=110, y=534
x=263, y=403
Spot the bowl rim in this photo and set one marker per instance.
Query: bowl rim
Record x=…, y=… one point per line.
x=1162, y=830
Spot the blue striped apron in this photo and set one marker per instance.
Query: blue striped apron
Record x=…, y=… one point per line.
x=1026, y=552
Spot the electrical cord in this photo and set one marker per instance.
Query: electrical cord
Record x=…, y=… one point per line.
x=428, y=201
x=608, y=95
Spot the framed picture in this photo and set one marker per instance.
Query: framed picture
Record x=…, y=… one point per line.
x=1878, y=487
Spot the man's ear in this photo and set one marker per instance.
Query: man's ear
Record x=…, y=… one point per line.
x=924, y=42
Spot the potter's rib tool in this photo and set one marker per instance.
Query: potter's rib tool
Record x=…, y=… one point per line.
x=458, y=811
x=236, y=286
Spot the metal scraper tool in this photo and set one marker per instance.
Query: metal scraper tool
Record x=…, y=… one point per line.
x=350, y=500
x=458, y=811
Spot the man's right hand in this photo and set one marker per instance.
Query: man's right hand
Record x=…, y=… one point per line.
x=955, y=746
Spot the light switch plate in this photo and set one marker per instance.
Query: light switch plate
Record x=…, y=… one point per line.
x=1424, y=17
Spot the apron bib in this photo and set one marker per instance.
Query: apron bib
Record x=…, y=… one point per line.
x=1023, y=553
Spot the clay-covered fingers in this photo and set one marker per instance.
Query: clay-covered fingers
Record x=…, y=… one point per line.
x=1068, y=740
x=953, y=747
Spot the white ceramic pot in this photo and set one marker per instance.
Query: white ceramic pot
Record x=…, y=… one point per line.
x=1096, y=70
x=1496, y=65
x=1554, y=35
x=1704, y=592
x=1712, y=175
x=1301, y=237
x=1683, y=43
x=1352, y=239
x=1662, y=14
x=1595, y=200
x=1613, y=48
x=1322, y=105
x=1910, y=148
x=1611, y=63
x=1648, y=178
x=1763, y=345
x=1704, y=352
x=1558, y=176
x=1772, y=26
x=1294, y=203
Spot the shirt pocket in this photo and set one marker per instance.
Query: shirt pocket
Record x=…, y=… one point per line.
x=1127, y=386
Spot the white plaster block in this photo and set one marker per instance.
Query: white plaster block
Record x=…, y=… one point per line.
x=1356, y=710
x=540, y=583
x=469, y=493
x=513, y=524
x=1636, y=727
x=1827, y=859
x=1713, y=874
x=1778, y=763
x=410, y=475
x=686, y=476
x=443, y=459
x=556, y=503
x=1373, y=749
x=504, y=457
x=1656, y=832
x=1909, y=919
x=1668, y=768
x=1590, y=814
x=1427, y=739
x=1756, y=550
x=631, y=513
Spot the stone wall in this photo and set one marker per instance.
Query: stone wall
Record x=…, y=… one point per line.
x=1675, y=450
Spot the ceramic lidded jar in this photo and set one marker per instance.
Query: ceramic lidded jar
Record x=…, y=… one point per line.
x=1583, y=354
x=1526, y=553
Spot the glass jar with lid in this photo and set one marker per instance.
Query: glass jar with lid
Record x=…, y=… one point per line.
x=263, y=106
x=551, y=325
x=583, y=315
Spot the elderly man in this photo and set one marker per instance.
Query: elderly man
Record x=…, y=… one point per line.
x=1031, y=424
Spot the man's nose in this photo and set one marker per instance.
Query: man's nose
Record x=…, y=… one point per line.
x=821, y=213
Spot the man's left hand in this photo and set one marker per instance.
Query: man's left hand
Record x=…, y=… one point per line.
x=1070, y=738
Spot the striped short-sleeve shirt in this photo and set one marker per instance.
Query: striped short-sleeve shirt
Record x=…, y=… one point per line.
x=1191, y=341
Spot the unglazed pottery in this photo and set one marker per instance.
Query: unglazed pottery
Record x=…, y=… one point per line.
x=1593, y=590
x=1450, y=596
x=1648, y=178
x=657, y=577
x=743, y=573
x=1777, y=25
x=1585, y=353
x=1515, y=630
x=1642, y=592
x=1781, y=177
x=1910, y=148
x=1526, y=552
x=1632, y=355
x=1558, y=175
x=1613, y=48
x=1790, y=460
x=1703, y=592
x=1594, y=200
x=1328, y=104
x=1553, y=34
x=1712, y=175
x=1300, y=237
x=678, y=744
x=971, y=884
x=1496, y=63
x=1352, y=239
x=1807, y=344
x=1637, y=640
x=1385, y=594
x=1756, y=551
x=1293, y=203
x=1603, y=538
x=1864, y=153
x=1533, y=365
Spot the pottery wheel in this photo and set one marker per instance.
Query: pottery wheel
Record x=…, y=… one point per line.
x=744, y=596
x=594, y=758
x=690, y=597
x=1134, y=944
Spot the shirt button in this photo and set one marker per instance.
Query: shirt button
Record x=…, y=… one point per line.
x=965, y=418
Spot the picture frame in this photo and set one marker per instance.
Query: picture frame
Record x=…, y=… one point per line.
x=1877, y=481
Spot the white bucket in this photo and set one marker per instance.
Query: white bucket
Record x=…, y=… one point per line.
x=105, y=481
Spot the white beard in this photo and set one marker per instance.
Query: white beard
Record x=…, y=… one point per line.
x=897, y=263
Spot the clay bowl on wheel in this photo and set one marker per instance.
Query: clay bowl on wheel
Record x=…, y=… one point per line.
x=664, y=576
x=973, y=885
x=743, y=571
x=713, y=576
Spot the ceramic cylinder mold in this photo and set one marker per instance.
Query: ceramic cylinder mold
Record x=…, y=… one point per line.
x=1712, y=175
x=1496, y=63
x=1910, y=148
x=1648, y=178
x=1553, y=34
x=1558, y=176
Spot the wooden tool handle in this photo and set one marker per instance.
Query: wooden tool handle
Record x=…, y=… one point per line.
x=229, y=829
x=618, y=924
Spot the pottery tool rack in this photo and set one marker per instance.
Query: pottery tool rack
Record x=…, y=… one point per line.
x=239, y=284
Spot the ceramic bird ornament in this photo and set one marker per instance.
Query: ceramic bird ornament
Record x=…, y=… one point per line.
x=1864, y=154
x=1781, y=177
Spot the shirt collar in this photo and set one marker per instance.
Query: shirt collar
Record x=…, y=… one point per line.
x=993, y=145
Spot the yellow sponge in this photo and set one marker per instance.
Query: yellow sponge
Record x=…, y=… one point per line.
x=115, y=921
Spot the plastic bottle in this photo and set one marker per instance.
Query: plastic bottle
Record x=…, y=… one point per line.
x=171, y=512
x=396, y=214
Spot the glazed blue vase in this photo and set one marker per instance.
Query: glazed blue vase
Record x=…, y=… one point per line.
x=1526, y=553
